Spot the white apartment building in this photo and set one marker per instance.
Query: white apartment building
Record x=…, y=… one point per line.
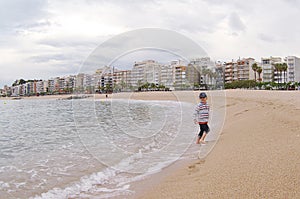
x=29, y=88
x=268, y=68
x=167, y=75
x=192, y=76
x=244, y=69
x=70, y=82
x=15, y=91
x=230, y=72
x=180, y=77
x=121, y=79
x=239, y=70
x=293, y=70
x=79, y=81
x=51, y=85
x=145, y=71
x=46, y=86
x=39, y=87
x=219, y=70
x=2, y=92
x=106, y=81
x=87, y=81
x=203, y=65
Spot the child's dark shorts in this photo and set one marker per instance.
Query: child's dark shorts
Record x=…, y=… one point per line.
x=203, y=128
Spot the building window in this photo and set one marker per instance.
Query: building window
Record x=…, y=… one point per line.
x=266, y=61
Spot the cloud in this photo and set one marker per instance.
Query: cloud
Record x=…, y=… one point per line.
x=267, y=38
x=49, y=58
x=16, y=13
x=235, y=23
x=74, y=42
x=151, y=39
x=55, y=36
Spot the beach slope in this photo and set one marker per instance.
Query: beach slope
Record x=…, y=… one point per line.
x=257, y=154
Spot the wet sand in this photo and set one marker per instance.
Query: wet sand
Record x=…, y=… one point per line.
x=257, y=154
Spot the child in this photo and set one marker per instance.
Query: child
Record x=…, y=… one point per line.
x=201, y=117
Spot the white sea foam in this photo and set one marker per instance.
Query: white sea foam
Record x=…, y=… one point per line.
x=90, y=148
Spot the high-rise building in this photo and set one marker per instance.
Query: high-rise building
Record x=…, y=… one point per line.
x=180, y=77
x=167, y=75
x=79, y=82
x=219, y=70
x=145, y=71
x=204, y=66
x=244, y=69
x=230, y=72
x=46, y=86
x=192, y=75
x=239, y=70
x=69, y=84
x=2, y=92
x=51, y=86
x=39, y=87
x=293, y=70
x=268, y=68
x=121, y=79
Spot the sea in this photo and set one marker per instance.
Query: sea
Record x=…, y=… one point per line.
x=89, y=148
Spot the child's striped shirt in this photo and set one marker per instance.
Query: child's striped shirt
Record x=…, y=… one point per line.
x=201, y=114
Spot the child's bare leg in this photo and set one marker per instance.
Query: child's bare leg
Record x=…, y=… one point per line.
x=198, y=140
x=202, y=138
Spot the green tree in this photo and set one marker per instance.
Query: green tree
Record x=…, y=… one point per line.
x=146, y=86
x=108, y=88
x=254, y=68
x=284, y=69
x=19, y=82
x=259, y=71
x=278, y=69
x=161, y=87
x=123, y=84
x=139, y=84
x=153, y=86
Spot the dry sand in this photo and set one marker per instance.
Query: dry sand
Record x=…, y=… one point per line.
x=257, y=155
x=187, y=96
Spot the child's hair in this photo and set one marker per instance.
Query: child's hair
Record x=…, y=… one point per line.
x=202, y=95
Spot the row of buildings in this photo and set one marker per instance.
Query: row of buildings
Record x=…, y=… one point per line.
x=241, y=69
x=176, y=75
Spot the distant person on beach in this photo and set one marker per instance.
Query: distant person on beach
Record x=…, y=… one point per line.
x=201, y=117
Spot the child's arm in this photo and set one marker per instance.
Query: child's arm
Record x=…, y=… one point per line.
x=196, y=113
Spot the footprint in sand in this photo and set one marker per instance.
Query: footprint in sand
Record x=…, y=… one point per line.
x=240, y=113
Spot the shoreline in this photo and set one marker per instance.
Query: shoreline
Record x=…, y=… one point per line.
x=256, y=156
x=144, y=95
x=186, y=96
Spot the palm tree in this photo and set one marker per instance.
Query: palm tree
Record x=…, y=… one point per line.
x=259, y=71
x=211, y=76
x=284, y=69
x=277, y=69
x=205, y=73
x=153, y=86
x=123, y=84
x=254, y=68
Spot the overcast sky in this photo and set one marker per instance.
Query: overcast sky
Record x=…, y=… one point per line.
x=48, y=38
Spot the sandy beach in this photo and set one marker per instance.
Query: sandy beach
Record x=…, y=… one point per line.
x=257, y=154
x=187, y=96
